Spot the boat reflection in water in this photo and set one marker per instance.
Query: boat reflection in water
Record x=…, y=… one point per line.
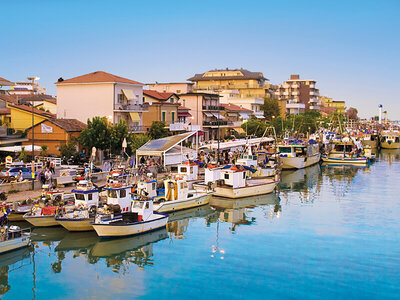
x=389, y=155
x=9, y=262
x=48, y=235
x=178, y=221
x=235, y=211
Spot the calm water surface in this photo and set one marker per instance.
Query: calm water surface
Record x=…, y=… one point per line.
x=330, y=232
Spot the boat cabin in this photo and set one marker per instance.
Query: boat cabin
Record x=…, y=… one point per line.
x=212, y=174
x=292, y=150
x=143, y=209
x=147, y=188
x=189, y=170
x=234, y=177
x=121, y=195
x=343, y=147
x=248, y=160
x=86, y=195
x=176, y=189
x=390, y=138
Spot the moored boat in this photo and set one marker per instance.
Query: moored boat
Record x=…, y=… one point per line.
x=141, y=219
x=344, y=152
x=390, y=140
x=13, y=238
x=298, y=155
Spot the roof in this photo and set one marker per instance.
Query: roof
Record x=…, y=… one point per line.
x=5, y=82
x=200, y=94
x=98, y=77
x=159, y=146
x=9, y=98
x=35, y=110
x=246, y=75
x=183, y=108
x=5, y=111
x=234, y=107
x=158, y=95
x=155, y=83
x=41, y=97
x=69, y=125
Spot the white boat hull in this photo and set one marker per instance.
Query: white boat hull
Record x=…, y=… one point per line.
x=174, y=205
x=41, y=221
x=255, y=187
x=14, y=244
x=393, y=145
x=299, y=162
x=117, y=230
x=76, y=224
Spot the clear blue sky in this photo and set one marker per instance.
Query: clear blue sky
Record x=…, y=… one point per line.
x=350, y=47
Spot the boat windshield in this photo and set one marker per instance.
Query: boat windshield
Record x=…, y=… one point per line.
x=340, y=148
x=80, y=197
x=112, y=194
x=137, y=204
x=285, y=149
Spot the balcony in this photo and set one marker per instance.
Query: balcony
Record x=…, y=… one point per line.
x=215, y=123
x=296, y=105
x=314, y=107
x=235, y=124
x=178, y=126
x=295, y=86
x=130, y=107
x=136, y=128
x=286, y=86
x=312, y=93
x=213, y=107
x=285, y=93
x=312, y=85
x=295, y=93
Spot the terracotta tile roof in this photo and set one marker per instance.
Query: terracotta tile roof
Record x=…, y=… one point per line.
x=5, y=82
x=69, y=125
x=42, y=97
x=98, y=76
x=9, y=98
x=233, y=107
x=5, y=111
x=157, y=95
x=35, y=110
x=246, y=75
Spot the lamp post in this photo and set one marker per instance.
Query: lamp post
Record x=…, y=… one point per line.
x=33, y=131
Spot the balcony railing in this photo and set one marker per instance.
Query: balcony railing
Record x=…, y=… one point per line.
x=213, y=107
x=314, y=107
x=130, y=107
x=314, y=93
x=214, y=123
x=136, y=128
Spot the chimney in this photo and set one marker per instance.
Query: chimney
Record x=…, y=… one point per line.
x=294, y=76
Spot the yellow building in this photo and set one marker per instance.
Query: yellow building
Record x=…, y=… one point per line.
x=49, y=105
x=21, y=116
x=249, y=84
x=161, y=107
x=339, y=106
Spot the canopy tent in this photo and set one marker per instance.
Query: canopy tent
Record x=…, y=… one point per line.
x=27, y=148
x=236, y=144
x=168, y=149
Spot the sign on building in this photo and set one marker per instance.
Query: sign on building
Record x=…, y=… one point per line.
x=46, y=128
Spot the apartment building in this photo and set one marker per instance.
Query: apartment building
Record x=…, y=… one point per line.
x=247, y=83
x=101, y=94
x=250, y=103
x=299, y=95
x=172, y=87
x=206, y=113
x=160, y=107
x=338, y=106
x=25, y=88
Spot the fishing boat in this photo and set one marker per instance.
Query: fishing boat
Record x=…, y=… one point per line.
x=19, y=208
x=390, y=140
x=13, y=238
x=370, y=139
x=87, y=205
x=141, y=219
x=344, y=152
x=86, y=197
x=178, y=196
x=298, y=155
x=43, y=212
x=232, y=182
x=263, y=164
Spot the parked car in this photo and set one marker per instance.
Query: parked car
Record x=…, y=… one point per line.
x=14, y=172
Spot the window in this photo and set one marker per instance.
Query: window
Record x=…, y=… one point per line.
x=153, y=186
x=171, y=100
x=90, y=197
x=122, y=193
x=173, y=117
x=147, y=205
x=183, y=169
x=226, y=176
x=163, y=116
x=80, y=197
x=121, y=98
x=112, y=194
x=244, y=175
x=178, y=91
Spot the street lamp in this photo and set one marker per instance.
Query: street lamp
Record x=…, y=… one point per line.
x=33, y=130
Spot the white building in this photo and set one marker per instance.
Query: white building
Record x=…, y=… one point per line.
x=104, y=95
x=252, y=103
x=25, y=88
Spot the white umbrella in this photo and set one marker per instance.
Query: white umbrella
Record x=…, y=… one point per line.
x=27, y=148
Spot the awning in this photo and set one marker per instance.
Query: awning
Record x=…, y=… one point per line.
x=260, y=117
x=27, y=148
x=208, y=114
x=239, y=130
x=244, y=116
x=218, y=116
x=135, y=116
x=128, y=94
x=184, y=114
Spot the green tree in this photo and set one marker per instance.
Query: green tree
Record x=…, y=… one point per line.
x=97, y=134
x=118, y=132
x=270, y=108
x=23, y=156
x=43, y=150
x=254, y=127
x=68, y=149
x=158, y=130
x=135, y=141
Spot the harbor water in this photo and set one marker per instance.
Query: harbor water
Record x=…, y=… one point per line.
x=329, y=232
